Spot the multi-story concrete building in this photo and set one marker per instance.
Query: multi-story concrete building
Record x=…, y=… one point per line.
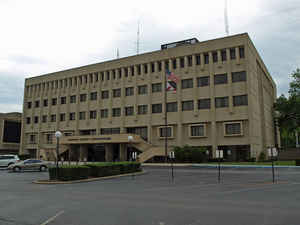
x=10, y=132
x=223, y=101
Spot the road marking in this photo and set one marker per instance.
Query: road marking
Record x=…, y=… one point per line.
x=52, y=218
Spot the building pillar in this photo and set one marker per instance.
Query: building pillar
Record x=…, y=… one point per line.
x=123, y=153
x=108, y=153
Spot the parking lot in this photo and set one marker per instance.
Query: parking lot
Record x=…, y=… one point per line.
x=194, y=198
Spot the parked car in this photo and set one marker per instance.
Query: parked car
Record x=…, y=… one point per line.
x=29, y=164
x=7, y=160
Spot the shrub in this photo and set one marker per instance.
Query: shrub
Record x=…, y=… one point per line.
x=190, y=154
x=72, y=172
x=297, y=162
x=262, y=156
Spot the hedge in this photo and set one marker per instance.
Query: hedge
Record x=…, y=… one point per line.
x=190, y=154
x=74, y=172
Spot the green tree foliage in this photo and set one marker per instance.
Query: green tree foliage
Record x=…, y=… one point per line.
x=289, y=109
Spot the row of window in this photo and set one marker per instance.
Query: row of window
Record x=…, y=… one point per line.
x=195, y=130
x=181, y=62
x=143, y=89
x=220, y=102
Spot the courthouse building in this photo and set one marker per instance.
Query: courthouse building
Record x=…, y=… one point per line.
x=224, y=100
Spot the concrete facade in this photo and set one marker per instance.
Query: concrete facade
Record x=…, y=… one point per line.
x=223, y=100
x=10, y=132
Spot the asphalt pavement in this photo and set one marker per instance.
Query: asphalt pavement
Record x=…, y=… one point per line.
x=194, y=197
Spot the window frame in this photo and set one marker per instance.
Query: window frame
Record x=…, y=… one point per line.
x=162, y=127
x=197, y=125
x=233, y=122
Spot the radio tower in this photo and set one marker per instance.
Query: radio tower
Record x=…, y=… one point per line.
x=118, y=55
x=226, y=19
x=138, y=39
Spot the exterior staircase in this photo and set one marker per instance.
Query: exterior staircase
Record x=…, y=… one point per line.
x=148, y=150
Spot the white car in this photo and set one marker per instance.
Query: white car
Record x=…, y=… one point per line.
x=7, y=160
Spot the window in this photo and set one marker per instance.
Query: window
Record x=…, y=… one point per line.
x=204, y=103
x=159, y=65
x=129, y=111
x=198, y=59
x=202, y=81
x=81, y=115
x=221, y=78
x=49, y=138
x=104, y=113
x=242, y=52
x=232, y=53
x=142, y=90
x=107, y=75
x=145, y=68
x=63, y=100
x=116, y=112
x=126, y=72
x=102, y=76
x=114, y=74
x=54, y=101
x=223, y=55
x=181, y=62
x=190, y=60
x=156, y=87
x=93, y=96
x=156, y=108
x=132, y=70
x=129, y=91
x=215, y=56
x=174, y=63
x=36, y=119
x=32, y=139
x=73, y=99
x=53, y=118
x=93, y=114
x=62, y=117
x=240, y=100
x=82, y=97
x=206, y=58
x=221, y=102
x=120, y=73
x=186, y=83
x=72, y=116
x=44, y=118
x=117, y=93
x=108, y=131
x=142, y=109
x=138, y=69
x=233, y=128
x=167, y=64
x=45, y=102
x=239, y=76
x=165, y=132
x=172, y=107
x=29, y=105
x=104, y=94
x=37, y=104
x=152, y=68
x=187, y=105
x=197, y=130
x=28, y=120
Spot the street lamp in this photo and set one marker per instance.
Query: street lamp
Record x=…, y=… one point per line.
x=58, y=134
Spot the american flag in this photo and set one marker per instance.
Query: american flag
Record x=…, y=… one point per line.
x=171, y=81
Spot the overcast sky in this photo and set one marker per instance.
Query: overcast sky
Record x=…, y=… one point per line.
x=40, y=37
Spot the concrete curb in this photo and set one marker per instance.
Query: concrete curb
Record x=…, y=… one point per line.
x=89, y=179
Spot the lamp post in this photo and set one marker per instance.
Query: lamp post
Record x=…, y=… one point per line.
x=58, y=134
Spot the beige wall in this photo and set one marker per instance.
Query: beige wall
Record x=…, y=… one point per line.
x=256, y=117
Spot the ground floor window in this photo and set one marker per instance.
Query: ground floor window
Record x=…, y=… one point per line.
x=197, y=130
x=165, y=132
x=233, y=128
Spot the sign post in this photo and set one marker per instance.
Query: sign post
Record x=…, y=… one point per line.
x=172, y=157
x=134, y=156
x=272, y=152
x=219, y=154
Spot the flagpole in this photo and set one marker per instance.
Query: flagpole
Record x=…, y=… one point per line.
x=166, y=121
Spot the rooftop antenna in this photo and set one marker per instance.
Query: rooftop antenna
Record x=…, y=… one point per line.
x=138, y=39
x=226, y=19
x=118, y=56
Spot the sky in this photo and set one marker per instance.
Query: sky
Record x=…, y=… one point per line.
x=39, y=37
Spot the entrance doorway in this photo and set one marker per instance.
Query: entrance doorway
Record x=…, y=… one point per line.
x=96, y=153
x=116, y=152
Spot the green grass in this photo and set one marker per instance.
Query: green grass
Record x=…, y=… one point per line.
x=277, y=163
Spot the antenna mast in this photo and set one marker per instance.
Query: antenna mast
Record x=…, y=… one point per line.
x=138, y=39
x=226, y=19
x=118, y=56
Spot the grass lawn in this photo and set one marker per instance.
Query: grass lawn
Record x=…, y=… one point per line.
x=277, y=163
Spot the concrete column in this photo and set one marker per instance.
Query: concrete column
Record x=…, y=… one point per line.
x=108, y=153
x=123, y=155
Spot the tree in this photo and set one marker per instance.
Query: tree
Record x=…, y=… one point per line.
x=289, y=108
